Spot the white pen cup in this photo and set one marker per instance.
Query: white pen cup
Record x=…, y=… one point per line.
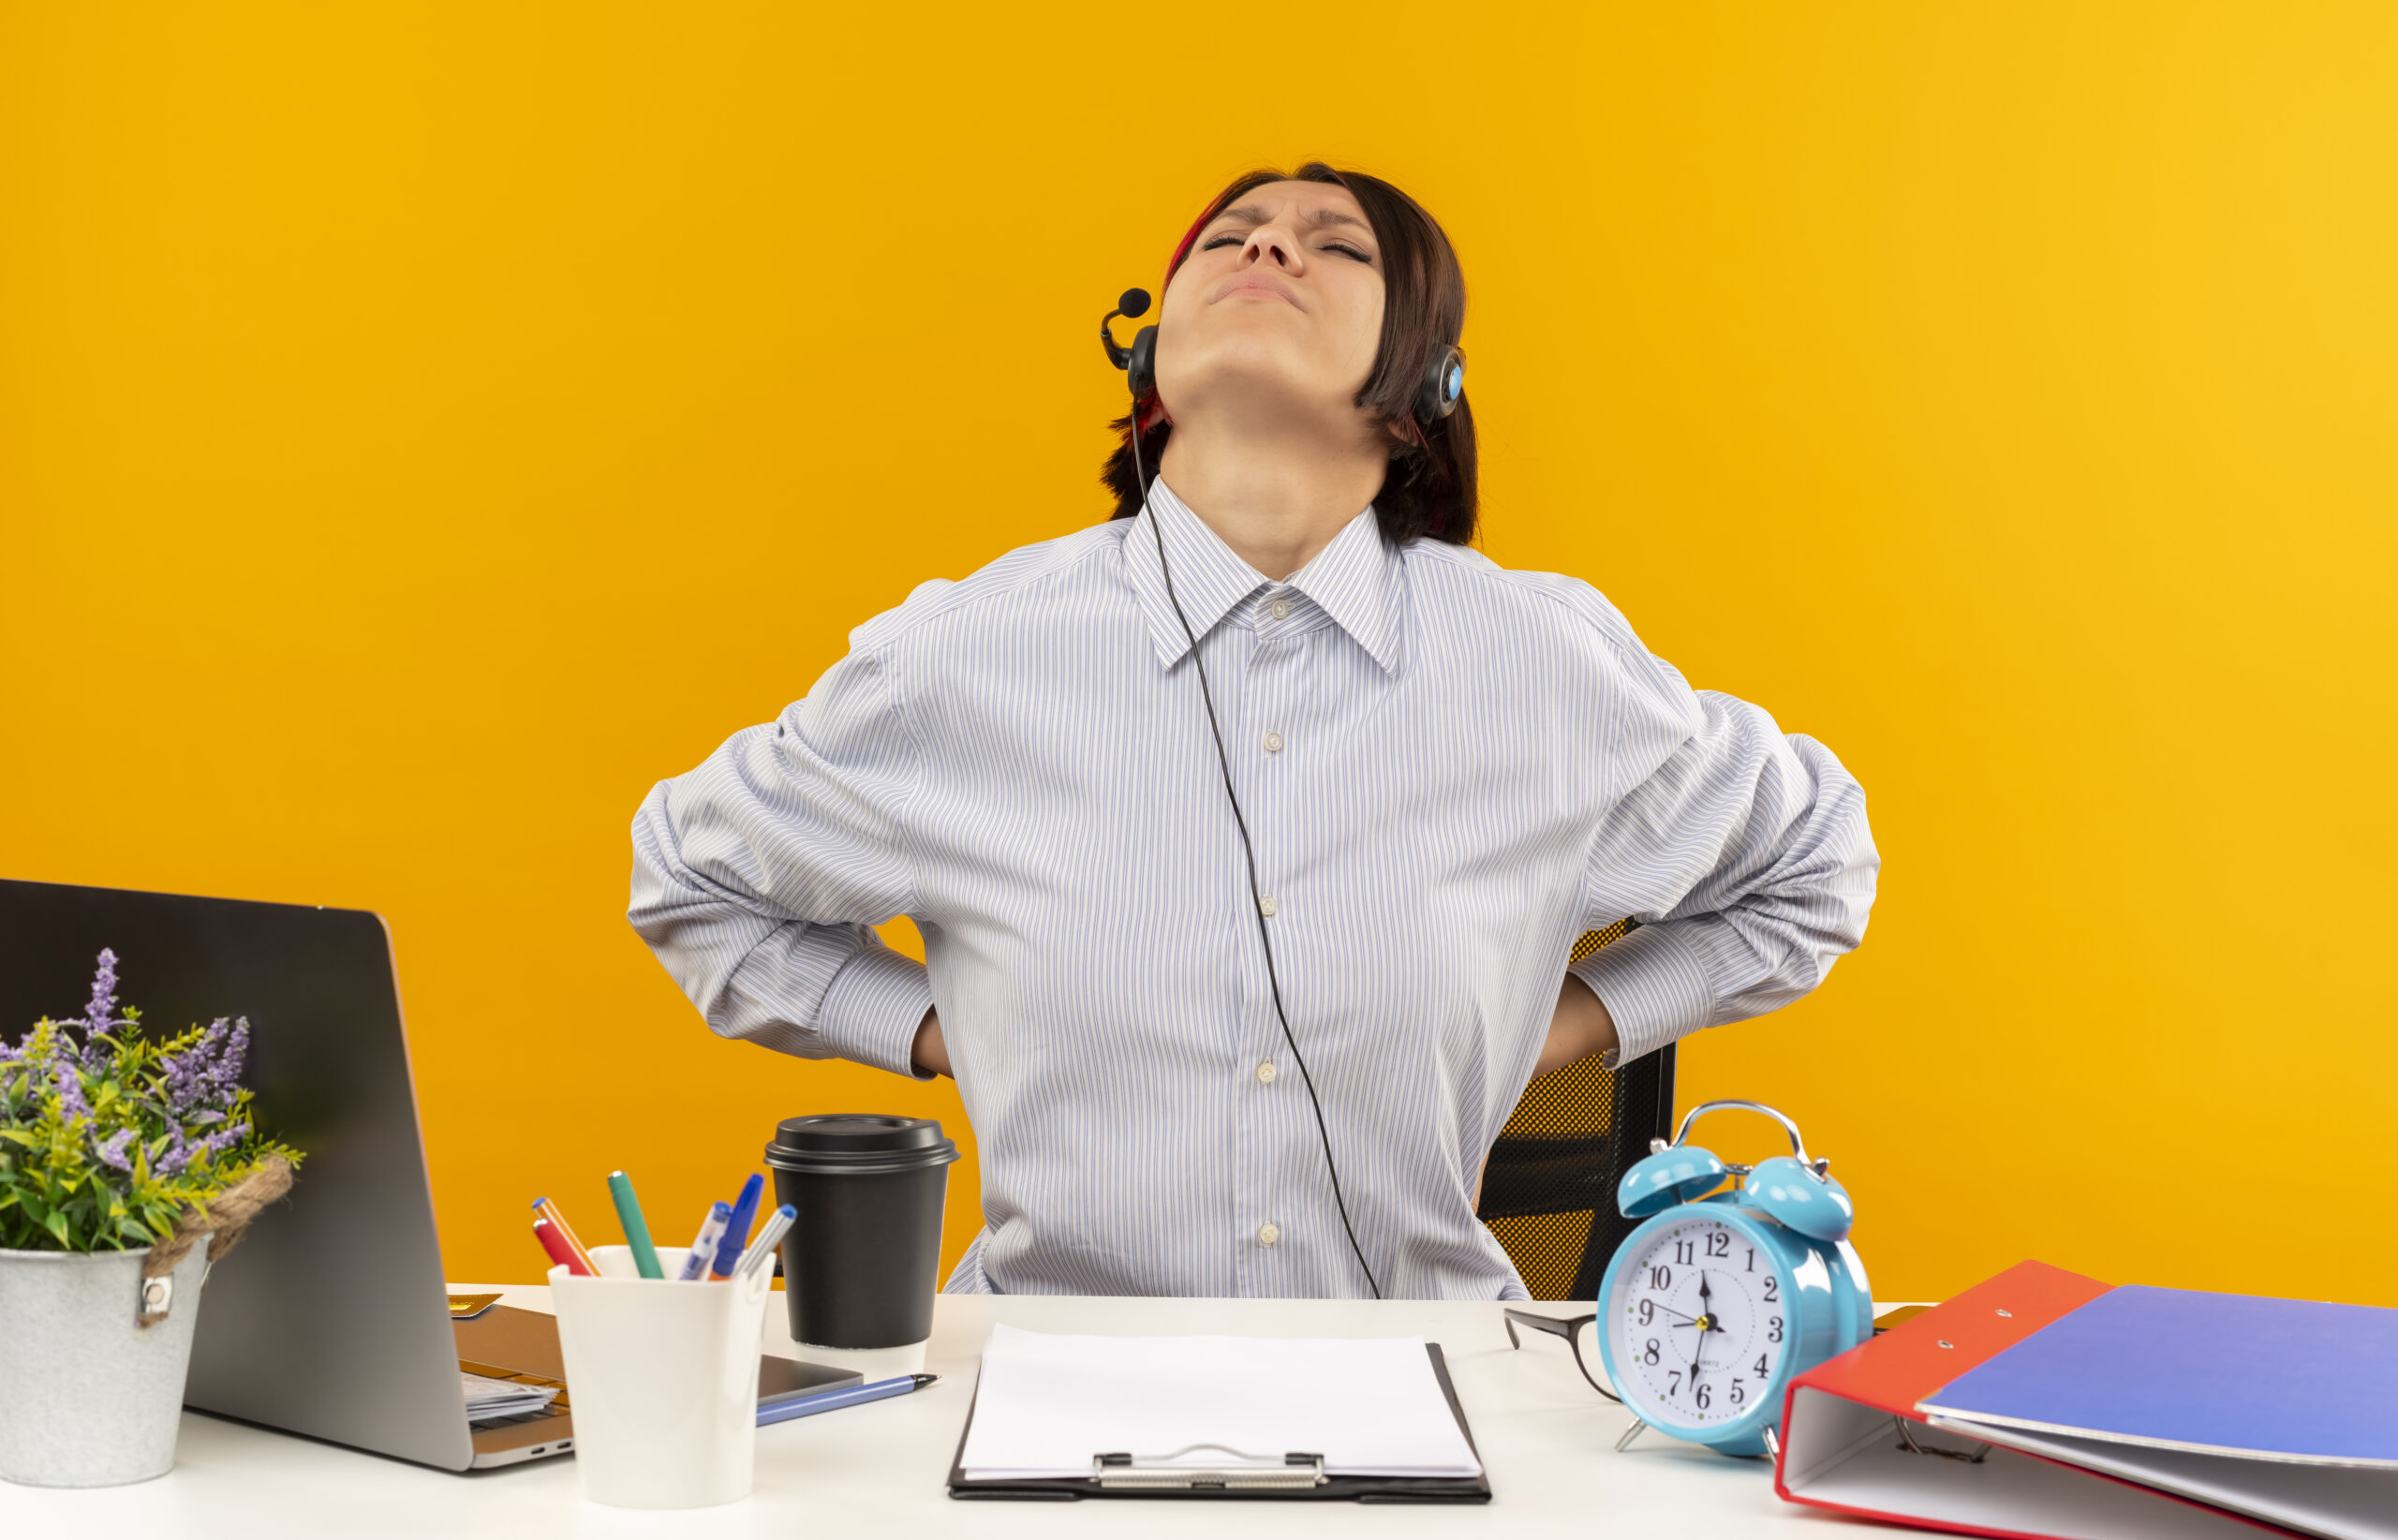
x=663, y=1383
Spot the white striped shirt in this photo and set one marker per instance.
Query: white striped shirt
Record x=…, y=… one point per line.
x=1450, y=771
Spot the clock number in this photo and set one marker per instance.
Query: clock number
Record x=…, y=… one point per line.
x=1773, y=1289
x=1651, y=1356
x=1720, y=1243
x=1762, y=1370
x=1674, y=1382
x=1738, y=1395
x=1660, y=1277
x=1682, y=1254
x=1773, y=1328
x=1752, y=1259
x=1698, y=1394
x=1648, y=1311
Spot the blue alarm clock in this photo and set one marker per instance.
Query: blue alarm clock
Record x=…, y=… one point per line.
x=1718, y=1301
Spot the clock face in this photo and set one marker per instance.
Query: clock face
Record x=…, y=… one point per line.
x=1701, y=1320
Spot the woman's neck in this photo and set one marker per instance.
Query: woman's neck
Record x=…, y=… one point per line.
x=1276, y=500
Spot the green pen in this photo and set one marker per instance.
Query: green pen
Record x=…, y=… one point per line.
x=620, y=1187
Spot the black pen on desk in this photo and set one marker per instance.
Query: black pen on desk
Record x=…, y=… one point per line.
x=833, y=1401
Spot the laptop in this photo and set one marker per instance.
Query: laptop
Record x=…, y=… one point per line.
x=331, y=1319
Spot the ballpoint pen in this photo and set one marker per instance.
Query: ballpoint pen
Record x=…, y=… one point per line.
x=736, y=1230
x=833, y=1401
x=544, y=1209
x=770, y=1235
x=695, y=1266
x=561, y=1252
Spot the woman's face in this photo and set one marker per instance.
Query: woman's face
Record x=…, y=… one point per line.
x=1278, y=309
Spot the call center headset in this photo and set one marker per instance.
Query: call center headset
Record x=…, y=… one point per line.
x=1436, y=394
x=1436, y=397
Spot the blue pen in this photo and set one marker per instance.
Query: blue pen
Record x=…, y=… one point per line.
x=736, y=1230
x=833, y=1401
x=695, y=1266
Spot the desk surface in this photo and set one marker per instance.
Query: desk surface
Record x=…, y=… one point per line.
x=1546, y=1437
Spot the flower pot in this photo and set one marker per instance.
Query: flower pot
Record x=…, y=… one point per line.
x=88, y=1398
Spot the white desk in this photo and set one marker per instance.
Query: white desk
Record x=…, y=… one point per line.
x=879, y=1470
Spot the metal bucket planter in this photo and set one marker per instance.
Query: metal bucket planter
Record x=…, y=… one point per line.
x=89, y=1396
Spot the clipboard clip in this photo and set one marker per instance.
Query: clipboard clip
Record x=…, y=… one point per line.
x=1122, y=1472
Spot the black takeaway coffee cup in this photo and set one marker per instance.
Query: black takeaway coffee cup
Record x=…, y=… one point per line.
x=860, y=1262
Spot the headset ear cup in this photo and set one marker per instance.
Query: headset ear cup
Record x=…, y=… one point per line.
x=1443, y=386
x=1142, y=373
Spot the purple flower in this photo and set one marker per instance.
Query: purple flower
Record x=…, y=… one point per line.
x=177, y=1154
x=226, y=1075
x=190, y=1078
x=69, y=1080
x=113, y=1149
x=223, y=1139
x=102, y=1014
x=208, y=1073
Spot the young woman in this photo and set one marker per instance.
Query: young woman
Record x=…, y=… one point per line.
x=1447, y=771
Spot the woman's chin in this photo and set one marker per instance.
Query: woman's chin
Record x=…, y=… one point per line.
x=1259, y=387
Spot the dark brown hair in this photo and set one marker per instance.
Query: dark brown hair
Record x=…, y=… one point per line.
x=1428, y=489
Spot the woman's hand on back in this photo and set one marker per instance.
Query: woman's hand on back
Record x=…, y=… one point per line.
x=1578, y=1027
x=931, y=1053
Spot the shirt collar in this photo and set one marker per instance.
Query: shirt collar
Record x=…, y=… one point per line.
x=1355, y=580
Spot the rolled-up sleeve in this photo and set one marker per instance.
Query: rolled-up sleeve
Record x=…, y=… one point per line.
x=758, y=875
x=1744, y=855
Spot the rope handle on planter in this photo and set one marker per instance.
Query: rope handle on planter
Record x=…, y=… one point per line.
x=223, y=1220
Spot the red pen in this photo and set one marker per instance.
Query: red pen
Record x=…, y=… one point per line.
x=561, y=1252
x=544, y=1208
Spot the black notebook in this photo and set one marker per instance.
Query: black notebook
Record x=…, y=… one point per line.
x=1372, y=1420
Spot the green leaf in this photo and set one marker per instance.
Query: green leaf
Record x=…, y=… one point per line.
x=56, y=1226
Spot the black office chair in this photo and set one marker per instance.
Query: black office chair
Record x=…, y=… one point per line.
x=1548, y=1192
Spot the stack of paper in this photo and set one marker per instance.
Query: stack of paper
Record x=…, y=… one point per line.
x=1046, y=1404
x=496, y=1400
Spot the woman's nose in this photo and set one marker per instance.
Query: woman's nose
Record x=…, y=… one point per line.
x=1273, y=243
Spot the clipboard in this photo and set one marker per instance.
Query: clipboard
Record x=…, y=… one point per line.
x=1284, y=1476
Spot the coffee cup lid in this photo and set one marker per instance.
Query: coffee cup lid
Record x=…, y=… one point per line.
x=858, y=1142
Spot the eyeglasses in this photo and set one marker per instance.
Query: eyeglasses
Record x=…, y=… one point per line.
x=1581, y=1333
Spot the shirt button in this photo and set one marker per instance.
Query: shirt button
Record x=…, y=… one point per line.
x=1266, y=1075
x=1268, y=1233
x=1266, y=905
x=1273, y=743
x=1280, y=609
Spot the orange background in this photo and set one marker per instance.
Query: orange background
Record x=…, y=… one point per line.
x=422, y=427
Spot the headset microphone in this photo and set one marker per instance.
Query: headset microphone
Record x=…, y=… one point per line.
x=1139, y=364
x=1140, y=361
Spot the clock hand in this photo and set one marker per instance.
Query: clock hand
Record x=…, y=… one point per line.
x=1700, y=1340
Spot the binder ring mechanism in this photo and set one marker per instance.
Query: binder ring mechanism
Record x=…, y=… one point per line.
x=1237, y=1471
